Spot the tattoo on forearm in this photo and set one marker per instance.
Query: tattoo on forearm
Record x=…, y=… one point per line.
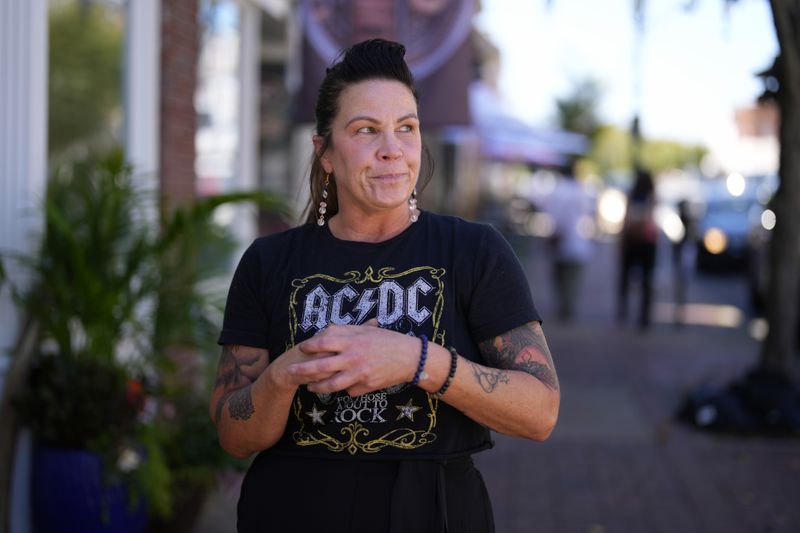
x=525, y=349
x=488, y=378
x=240, y=404
x=239, y=367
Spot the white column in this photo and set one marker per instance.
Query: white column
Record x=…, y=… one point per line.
x=23, y=142
x=246, y=178
x=141, y=87
x=23, y=171
x=249, y=84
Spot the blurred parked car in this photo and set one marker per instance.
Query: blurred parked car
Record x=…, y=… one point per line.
x=722, y=235
x=731, y=208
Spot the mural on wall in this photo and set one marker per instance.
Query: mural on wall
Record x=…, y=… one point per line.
x=435, y=33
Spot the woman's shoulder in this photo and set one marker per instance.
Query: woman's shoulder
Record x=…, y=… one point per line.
x=284, y=237
x=274, y=247
x=461, y=226
x=471, y=238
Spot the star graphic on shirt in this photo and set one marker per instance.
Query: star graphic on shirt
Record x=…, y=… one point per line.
x=407, y=410
x=316, y=415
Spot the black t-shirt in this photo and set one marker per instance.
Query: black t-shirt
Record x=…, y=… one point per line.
x=456, y=282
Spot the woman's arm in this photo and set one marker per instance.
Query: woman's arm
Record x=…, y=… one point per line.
x=517, y=393
x=251, y=398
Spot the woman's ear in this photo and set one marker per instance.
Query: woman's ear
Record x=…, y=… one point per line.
x=323, y=159
x=317, y=140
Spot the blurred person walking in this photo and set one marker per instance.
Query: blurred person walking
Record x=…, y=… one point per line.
x=681, y=260
x=572, y=210
x=638, y=247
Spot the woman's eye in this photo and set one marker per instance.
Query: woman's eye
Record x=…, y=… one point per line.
x=406, y=128
x=366, y=129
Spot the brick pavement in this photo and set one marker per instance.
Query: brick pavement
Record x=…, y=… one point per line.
x=618, y=461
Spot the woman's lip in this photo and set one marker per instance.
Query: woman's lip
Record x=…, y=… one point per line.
x=397, y=175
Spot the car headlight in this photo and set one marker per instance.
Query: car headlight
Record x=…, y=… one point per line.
x=715, y=241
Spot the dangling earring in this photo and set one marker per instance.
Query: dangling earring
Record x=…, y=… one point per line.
x=323, y=205
x=412, y=206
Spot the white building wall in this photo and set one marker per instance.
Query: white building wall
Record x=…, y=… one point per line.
x=23, y=170
x=23, y=142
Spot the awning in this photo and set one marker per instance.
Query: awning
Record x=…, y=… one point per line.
x=505, y=137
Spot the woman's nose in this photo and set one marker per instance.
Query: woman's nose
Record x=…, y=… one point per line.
x=390, y=147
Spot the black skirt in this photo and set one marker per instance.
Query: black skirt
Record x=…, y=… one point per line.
x=286, y=494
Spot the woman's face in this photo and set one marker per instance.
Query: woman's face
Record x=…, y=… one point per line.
x=375, y=147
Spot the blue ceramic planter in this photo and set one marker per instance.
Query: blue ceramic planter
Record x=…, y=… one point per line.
x=68, y=495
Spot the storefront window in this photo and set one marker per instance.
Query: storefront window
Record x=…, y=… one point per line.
x=85, y=75
x=218, y=95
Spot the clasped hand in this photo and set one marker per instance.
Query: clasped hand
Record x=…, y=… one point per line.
x=358, y=359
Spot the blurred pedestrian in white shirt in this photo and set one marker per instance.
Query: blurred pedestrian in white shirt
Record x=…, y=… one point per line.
x=572, y=210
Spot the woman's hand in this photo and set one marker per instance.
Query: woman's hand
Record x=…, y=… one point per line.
x=283, y=378
x=365, y=358
x=252, y=397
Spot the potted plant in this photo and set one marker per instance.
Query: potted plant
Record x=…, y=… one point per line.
x=89, y=281
x=94, y=444
x=119, y=299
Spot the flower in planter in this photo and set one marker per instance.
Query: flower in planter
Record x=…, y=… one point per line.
x=134, y=394
x=129, y=460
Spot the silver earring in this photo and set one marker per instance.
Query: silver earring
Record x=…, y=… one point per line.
x=323, y=205
x=412, y=206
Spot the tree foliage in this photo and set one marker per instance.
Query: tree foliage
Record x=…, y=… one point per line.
x=661, y=155
x=611, y=147
x=612, y=153
x=577, y=111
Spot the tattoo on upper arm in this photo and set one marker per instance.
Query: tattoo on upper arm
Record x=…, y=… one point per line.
x=239, y=367
x=525, y=349
x=488, y=378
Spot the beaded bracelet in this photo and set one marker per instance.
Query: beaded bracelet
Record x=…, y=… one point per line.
x=423, y=355
x=453, y=364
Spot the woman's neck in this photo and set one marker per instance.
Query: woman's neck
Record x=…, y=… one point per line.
x=349, y=226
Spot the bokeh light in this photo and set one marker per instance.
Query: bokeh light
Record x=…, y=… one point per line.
x=715, y=241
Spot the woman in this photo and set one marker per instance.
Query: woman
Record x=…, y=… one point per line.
x=638, y=247
x=367, y=352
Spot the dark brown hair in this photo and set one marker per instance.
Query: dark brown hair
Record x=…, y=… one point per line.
x=367, y=60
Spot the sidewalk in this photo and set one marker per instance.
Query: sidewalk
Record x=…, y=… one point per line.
x=618, y=461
